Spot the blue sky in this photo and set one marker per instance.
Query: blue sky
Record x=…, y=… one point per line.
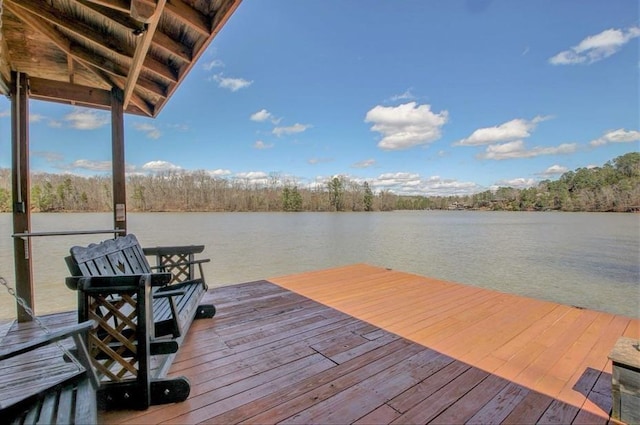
x=419, y=97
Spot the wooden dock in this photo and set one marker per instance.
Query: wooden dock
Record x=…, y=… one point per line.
x=362, y=344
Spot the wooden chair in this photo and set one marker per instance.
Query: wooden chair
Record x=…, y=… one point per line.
x=140, y=313
x=69, y=400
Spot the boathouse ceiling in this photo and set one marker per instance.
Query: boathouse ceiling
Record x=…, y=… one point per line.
x=76, y=51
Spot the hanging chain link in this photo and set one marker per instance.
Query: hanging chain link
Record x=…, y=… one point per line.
x=35, y=318
x=23, y=303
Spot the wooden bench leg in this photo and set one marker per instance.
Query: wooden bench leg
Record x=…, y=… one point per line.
x=164, y=391
x=127, y=395
x=205, y=311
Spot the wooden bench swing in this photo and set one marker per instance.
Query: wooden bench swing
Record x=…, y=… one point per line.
x=140, y=312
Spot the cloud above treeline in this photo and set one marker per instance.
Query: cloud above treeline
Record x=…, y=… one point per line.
x=505, y=141
x=515, y=129
x=517, y=149
x=407, y=125
x=554, y=170
x=364, y=164
x=404, y=183
x=87, y=119
x=617, y=136
x=596, y=47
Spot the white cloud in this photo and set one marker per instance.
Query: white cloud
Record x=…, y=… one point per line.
x=252, y=175
x=48, y=156
x=296, y=128
x=179, y=127
x=262, y=145
x=86, y=164
x=519, y=183
x=5, y=113
x=617, y=136
x=405, y=126
x=35, y=118
x=150, y=130
x=264, y=115
x=398, y=179
x=554, y=170
x=596, y=47
x=407, y=95
x=364, y=164
x=314, y=161
x=233, y=84
x=517, y=149
x=160, y=166
x=214, y=63
x=219, y=173
x=259, y=178
x=515, y=129
x=403, y=183
x=87, y=119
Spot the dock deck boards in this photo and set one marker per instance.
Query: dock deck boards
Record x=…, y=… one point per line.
x=362, y=344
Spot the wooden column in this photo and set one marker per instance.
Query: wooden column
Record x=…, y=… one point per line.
x=20, y=186
x=117, y=160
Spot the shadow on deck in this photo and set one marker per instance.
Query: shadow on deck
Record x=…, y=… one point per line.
x=272, y=355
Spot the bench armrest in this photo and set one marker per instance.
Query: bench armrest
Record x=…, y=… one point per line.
x=169, y=250
x=58, y=335
x=117, y=282
x=167, y=294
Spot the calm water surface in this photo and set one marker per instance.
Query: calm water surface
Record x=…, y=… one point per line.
x=583, y=259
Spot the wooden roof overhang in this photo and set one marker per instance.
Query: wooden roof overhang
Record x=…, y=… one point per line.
x=127, y=56
x=76, y=51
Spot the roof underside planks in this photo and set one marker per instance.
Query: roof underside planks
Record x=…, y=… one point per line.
x=76, y=51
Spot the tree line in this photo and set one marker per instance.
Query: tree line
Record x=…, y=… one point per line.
x=613, y=187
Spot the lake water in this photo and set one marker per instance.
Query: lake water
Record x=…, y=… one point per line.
x=584, y=259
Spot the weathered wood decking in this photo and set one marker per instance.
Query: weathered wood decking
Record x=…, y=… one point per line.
x=371, y=345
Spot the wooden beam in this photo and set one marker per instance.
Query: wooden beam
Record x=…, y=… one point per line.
x=141, y=53
x=71, y=67
x=189, y=16
x=160, y=39
x=142, y=106
x=118, y=160
x=87, y=33
x=63, y=92
x=143, y=10
x=5, y=67
x=21, y=193
x=119, y=5
x=59, y=91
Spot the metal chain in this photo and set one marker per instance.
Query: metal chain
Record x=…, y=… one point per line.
x=35, y=318
x=23, y=304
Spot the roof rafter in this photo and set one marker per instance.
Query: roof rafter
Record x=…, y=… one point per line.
x=141, y=52
x=119, y=5
x=89, y=34
x=189, y=16
x=160, y=39
x=78, y=52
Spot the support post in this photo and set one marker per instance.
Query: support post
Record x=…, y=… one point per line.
x=20, y=190
x=117, y=160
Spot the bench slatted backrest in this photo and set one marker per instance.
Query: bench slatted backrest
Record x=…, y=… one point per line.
x=111, y=257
